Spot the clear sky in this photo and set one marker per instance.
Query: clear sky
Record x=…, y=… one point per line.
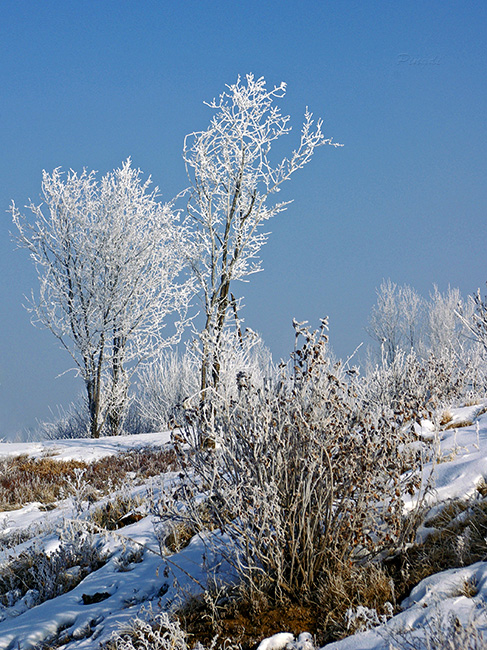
x=401, y=84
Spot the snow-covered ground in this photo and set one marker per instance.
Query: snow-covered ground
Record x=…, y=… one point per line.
x=123, y=588
x=85, y=449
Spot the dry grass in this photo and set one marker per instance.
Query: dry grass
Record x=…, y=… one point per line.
x=368, y=586
x=459, y=540
x=470, y=588
x=46, y=480
x=24, y=480
x=179, y=537
x=246, y=620
x=245, y=623
x=446, y=418
x=117, y=513
x=459, y=424
x=482, y=487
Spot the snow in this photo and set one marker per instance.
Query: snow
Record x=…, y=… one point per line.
x=276, y=642
x=84, y=449
x=161, y=580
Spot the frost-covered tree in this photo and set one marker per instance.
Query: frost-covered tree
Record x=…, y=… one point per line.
x=444, y=326
x=232, y=179
x=396, y=319
x=108, y=256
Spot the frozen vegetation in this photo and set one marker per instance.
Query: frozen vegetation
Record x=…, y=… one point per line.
x=313, y=503
x=309, y=504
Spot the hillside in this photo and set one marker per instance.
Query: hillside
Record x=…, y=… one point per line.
x=126, y=574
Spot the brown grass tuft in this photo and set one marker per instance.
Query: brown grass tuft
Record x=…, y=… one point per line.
x=117, y=513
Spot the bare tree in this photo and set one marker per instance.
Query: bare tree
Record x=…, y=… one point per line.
x=444, y=326
x=396, y=319
x=108, y=256
x=231, y=179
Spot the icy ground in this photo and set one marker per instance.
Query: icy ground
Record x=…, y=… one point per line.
x=125, y=587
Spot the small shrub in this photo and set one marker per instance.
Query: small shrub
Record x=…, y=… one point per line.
x=70, y=423
x=413, y=388
x=363, y=618
x=171, y=387
x=157, y=632
x=131, y=554
x=42, y=576
x=470, y=588
x=179, y=536
x=446, y=417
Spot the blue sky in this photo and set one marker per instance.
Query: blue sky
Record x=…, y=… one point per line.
x=401, y=85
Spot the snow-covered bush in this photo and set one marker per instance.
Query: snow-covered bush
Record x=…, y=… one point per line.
x=364, y=618
x=396, y=321
x=298, y=480
x=401, y=321
x=437, y=366
x=164, y=386
x=74, y=422
x=70, y=422
x=35, y=575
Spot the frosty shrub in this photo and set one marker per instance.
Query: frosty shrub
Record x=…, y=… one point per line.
x=298, y=480
x=442, y=633
x=74, y=422
x=35, y=576
x=170, y=388
x=158, y=632
x=430, y=350
x=396, y=320
x=70, y=422
x=164, y=386
x=473, y=316
x=412, y=389
x=363, y=618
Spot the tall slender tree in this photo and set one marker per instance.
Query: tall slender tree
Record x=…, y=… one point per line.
x=232, y=179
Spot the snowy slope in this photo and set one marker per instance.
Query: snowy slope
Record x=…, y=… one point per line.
x=156, y=580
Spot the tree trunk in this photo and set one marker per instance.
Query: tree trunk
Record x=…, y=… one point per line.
x=93, y=408
x=119, y=389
